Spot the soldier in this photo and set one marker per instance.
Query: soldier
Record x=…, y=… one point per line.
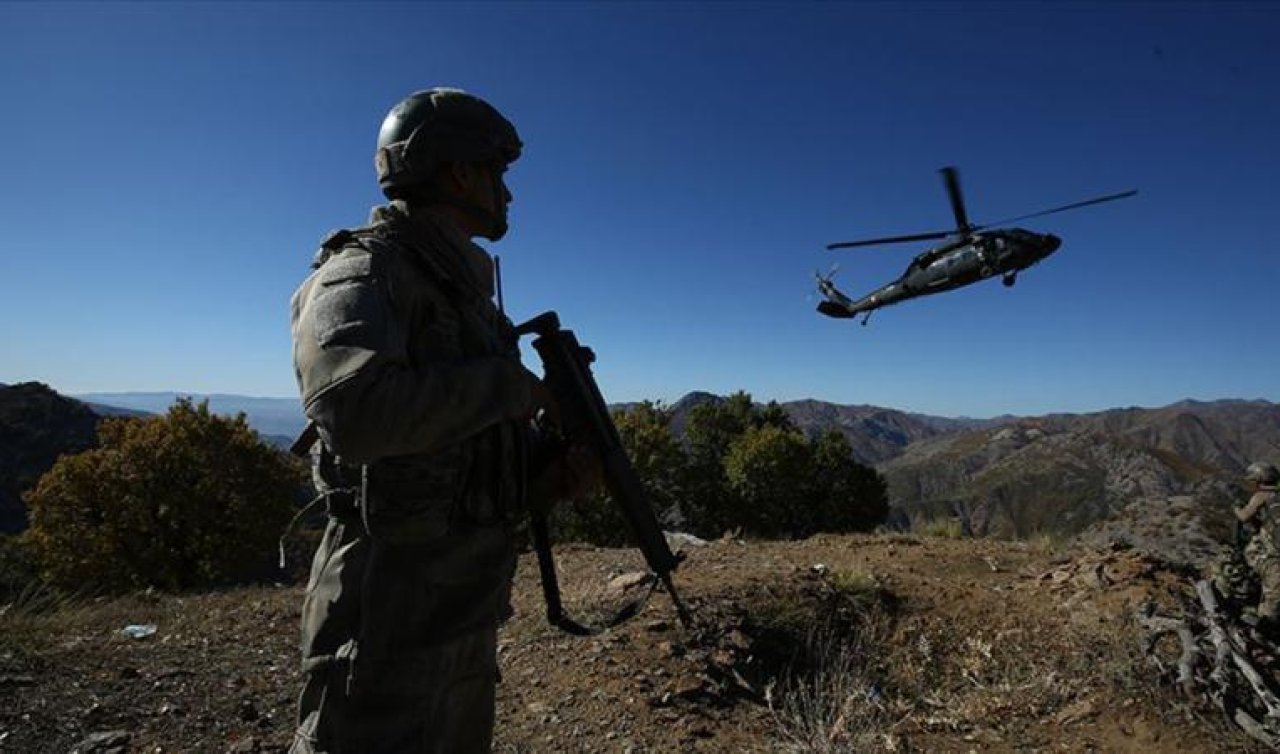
x=413, y=379
x=1262, y=517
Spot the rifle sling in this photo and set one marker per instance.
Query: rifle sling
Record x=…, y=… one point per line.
x=556, y=615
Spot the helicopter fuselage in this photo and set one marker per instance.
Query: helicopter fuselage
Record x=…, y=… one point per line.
x=965, y=260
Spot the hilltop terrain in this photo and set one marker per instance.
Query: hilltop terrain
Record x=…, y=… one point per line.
x=838, y=644
x=36, y=426
x=1020, y=638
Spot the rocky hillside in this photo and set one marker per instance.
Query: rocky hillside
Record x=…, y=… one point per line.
x=36, y=426
x=1067, y=474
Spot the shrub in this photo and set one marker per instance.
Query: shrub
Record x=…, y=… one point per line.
x=850, y=495
x=188, y=499
x=741, y=466
x=770, y=470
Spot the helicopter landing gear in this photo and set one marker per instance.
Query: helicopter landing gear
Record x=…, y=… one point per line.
x=1009, y=279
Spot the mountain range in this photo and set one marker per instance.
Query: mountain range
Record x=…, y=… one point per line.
x=1059, y=474
x=270, y=416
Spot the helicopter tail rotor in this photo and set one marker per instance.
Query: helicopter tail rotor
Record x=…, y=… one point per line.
x=827, y=278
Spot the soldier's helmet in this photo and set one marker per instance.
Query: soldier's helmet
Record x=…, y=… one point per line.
x=439, y=124
x=1262, y=473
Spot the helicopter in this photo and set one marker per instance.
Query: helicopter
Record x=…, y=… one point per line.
x=971, y=253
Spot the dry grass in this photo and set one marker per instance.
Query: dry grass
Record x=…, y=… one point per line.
x=947, y=527
x=828, y=695
x=40, y=612
x=838, y=705
x=872, y=678
x=1048, y=542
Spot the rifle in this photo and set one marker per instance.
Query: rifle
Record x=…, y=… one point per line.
x=585, y=420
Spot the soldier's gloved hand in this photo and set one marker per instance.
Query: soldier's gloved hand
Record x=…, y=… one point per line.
x=541, y=398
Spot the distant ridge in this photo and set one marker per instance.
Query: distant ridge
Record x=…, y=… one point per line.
x=36, y=426
x=276, y=417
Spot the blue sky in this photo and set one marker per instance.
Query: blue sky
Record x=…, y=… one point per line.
x=169, y=168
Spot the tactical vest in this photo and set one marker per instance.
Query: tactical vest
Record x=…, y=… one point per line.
x=478, y=481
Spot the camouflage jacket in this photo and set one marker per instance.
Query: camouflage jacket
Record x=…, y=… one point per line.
x=1262, y=514
x=409, y=370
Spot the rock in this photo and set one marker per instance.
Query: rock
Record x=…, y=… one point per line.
x=632, y=580
x=687, y=688
x=722, y=657
x=1094, y=578
x=1075, y=712
x=738, y=640
x=671, y=649
x=244, y=746
x=16, y=681
x=680, y=538
x=248, y=711
x=106, y=742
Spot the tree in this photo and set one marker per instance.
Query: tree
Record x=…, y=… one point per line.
x=188, y=499
x=850, y=496
x=646, y=435
x=645, y=432
x=769, y=470
x=711, y=507
x=774, y=415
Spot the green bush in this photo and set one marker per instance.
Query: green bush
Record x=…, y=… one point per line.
x=770, y=471
x=741, y=466
x=188, y=499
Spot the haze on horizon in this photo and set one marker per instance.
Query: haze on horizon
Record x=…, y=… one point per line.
x=171, y=168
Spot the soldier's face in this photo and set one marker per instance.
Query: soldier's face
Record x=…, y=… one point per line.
x=485, y=186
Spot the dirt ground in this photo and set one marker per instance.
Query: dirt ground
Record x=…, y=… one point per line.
x=837, y=643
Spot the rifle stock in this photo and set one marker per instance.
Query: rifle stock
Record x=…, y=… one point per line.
x=586, y=421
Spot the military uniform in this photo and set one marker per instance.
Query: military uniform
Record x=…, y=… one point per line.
x=413, y=380
x=1262, y=553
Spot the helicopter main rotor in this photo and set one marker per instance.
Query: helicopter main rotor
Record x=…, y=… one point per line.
x=963, y=229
